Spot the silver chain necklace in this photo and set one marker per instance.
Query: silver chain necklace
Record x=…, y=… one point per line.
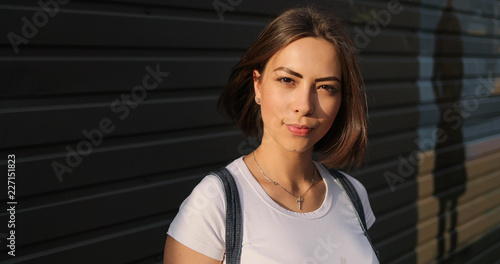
x=300, y=198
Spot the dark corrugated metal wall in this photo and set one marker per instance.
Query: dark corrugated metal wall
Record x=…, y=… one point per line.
x=109, y=109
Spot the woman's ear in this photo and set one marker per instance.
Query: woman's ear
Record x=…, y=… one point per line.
x=256, y=84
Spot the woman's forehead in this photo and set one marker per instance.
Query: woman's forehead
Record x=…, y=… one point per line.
x=307, y=56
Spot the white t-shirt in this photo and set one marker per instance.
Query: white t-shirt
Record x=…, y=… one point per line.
x=271, y=233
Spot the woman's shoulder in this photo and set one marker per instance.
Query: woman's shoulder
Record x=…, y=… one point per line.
x=206, y=201
x=360, y=188
x=357, y=184
x=200, y=222
x=210, y=189
x=363, y=195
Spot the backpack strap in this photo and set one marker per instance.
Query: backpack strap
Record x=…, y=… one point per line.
x=351, y=192
x=233, y=216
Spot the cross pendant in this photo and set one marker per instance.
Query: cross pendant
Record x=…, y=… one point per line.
x=300, y=201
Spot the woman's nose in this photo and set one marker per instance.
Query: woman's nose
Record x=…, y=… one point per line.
x=303, y=101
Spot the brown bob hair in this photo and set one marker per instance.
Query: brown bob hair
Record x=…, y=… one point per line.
x=345, y=143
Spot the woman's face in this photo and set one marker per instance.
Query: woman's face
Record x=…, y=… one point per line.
x=299, y=94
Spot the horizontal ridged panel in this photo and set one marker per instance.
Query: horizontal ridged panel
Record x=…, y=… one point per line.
x=115, y=206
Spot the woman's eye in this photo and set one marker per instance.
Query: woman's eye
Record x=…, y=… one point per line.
x=329, y=88
x=286, y=80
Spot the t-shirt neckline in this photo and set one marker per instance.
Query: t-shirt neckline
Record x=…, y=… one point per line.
x=261, y=193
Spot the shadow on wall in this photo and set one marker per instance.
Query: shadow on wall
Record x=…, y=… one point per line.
x=449, y=174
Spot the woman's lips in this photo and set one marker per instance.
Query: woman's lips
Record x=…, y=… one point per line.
x=298, y=130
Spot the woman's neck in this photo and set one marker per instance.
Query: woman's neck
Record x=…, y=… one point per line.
x=288, y=168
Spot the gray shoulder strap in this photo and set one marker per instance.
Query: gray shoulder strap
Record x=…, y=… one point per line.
x=233, y=216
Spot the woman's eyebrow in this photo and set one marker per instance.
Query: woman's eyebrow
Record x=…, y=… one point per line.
x=332, y=78
x=294, y=73
x=285, y=69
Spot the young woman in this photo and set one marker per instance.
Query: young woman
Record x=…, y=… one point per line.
x=299, y=89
